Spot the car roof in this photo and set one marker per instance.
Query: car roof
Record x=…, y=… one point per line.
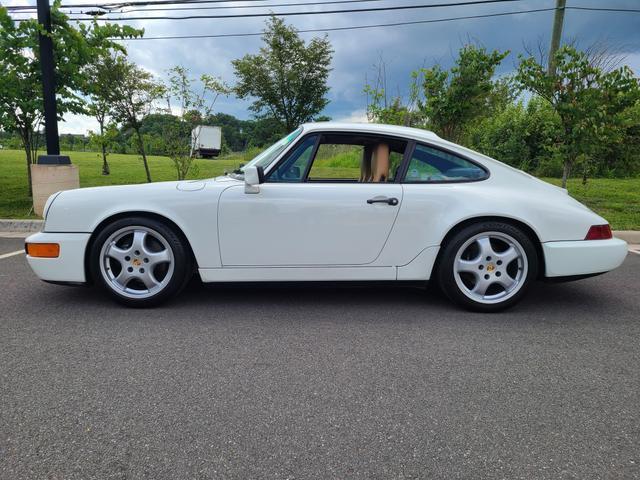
x=377, y=128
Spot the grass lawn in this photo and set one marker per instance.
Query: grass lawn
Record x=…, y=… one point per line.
x=616, y=200
x=125, y=169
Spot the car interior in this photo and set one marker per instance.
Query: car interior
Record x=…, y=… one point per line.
x=343, y=158
x=365, y=158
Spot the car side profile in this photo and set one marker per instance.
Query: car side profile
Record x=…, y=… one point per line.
x=330, y=202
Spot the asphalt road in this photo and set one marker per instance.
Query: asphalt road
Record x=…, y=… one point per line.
x=274, y=383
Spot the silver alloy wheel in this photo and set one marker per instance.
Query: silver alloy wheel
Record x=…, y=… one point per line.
x=490, y=267
x=136, y=262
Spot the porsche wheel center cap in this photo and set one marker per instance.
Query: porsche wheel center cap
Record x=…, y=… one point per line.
x=136, y=262
x=491, y=267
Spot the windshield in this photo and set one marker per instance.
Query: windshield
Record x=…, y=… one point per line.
x=266, y=157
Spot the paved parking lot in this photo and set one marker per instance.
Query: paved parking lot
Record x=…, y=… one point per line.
x=281, y=382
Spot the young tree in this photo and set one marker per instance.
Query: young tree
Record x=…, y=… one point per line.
x=99, y=106
x=287, y=78
x=132, y=94
x=20, y=79
x=588, y=101
x=103, y=139
x=453, y=99
x=194, y=107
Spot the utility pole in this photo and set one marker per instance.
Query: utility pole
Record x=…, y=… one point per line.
x=558, y=21
x=49, y=89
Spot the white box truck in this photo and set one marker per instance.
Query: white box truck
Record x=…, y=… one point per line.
x=206, y=141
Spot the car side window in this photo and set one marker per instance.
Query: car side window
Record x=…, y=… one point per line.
x=294, y=167
x=333, y=161
x=429, y=164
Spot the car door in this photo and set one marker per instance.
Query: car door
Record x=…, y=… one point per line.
x=308, y=221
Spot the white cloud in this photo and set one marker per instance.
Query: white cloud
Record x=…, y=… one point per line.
x=357, y=116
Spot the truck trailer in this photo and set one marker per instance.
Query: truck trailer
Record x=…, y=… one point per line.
x=206, y=141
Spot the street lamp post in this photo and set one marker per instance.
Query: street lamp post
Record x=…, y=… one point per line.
x=47, y=66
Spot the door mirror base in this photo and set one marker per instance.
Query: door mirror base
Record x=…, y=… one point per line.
x=253, y=177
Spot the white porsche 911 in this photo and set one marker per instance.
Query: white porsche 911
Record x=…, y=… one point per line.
x=330, y=202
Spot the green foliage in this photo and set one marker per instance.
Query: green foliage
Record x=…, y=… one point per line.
x=446, y=101
x=455, y=98
x=131, y=96
x=194, y=108
x=592, y=104
x=523, y=136
x=288, y=79
x=21, y=100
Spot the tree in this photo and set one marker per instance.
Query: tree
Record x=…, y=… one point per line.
x=100, y=107
x=132, y=95
x=102, y=141
x=447, y=102
x=20, y=79
x=194, y=107
x=588, y=101
x=453, y=99
x=287, y=78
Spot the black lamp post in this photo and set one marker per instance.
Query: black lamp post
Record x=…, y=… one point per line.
x=53, y=156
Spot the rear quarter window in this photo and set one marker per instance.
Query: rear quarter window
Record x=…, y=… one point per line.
x=431, y=165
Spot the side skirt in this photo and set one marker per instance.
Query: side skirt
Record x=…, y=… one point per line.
x=296, y=274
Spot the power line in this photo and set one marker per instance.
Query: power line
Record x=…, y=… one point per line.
x=171, y=9
x=228, y=7
x=614, y=10
x=355, y=27
x=115, y=6
x=324, y=12
x=605, y=9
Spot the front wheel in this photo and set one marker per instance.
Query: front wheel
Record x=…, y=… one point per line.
x=141, y=262
x=487, y=266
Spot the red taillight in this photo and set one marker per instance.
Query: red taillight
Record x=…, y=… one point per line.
x=599, y=232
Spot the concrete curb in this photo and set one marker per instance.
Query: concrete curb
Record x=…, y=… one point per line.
x=24, y=226
x=629, y=236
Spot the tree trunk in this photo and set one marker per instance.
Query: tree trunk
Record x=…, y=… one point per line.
x=27, y=151
x=105, y=165
x=566, y=171
x=144, y=155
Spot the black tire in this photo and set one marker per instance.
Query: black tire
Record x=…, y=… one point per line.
x=180, y=274
x=448, y=280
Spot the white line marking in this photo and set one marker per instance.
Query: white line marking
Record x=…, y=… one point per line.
x=11, y=254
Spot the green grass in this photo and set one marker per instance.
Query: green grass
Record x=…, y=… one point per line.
x=125, y=169
x=617, y=200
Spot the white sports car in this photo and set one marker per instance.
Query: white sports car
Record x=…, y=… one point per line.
x=330, y=202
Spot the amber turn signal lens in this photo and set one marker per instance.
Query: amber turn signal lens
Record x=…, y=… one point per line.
x=43, y=250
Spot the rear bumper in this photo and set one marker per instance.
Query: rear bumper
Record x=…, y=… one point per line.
x=564, y=259
x=68, y=267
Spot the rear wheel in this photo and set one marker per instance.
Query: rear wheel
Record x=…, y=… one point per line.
x=487, y=266
x=141, y=262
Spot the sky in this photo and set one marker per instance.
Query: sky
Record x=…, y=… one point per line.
x=403, y=48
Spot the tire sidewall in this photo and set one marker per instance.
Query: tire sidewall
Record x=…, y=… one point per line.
x=445, y=270
x=181, y=255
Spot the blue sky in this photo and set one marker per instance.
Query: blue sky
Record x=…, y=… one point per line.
x=403, y=48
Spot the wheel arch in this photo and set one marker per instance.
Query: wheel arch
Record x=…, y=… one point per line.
x=526, y=229
x=134, y=213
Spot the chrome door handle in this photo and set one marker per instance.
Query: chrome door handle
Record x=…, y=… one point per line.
x=393, y=201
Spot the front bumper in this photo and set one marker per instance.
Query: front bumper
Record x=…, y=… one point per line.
x=584, y=257
x=69, y=265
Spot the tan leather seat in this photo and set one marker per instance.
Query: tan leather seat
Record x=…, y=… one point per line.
x=380, y=163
